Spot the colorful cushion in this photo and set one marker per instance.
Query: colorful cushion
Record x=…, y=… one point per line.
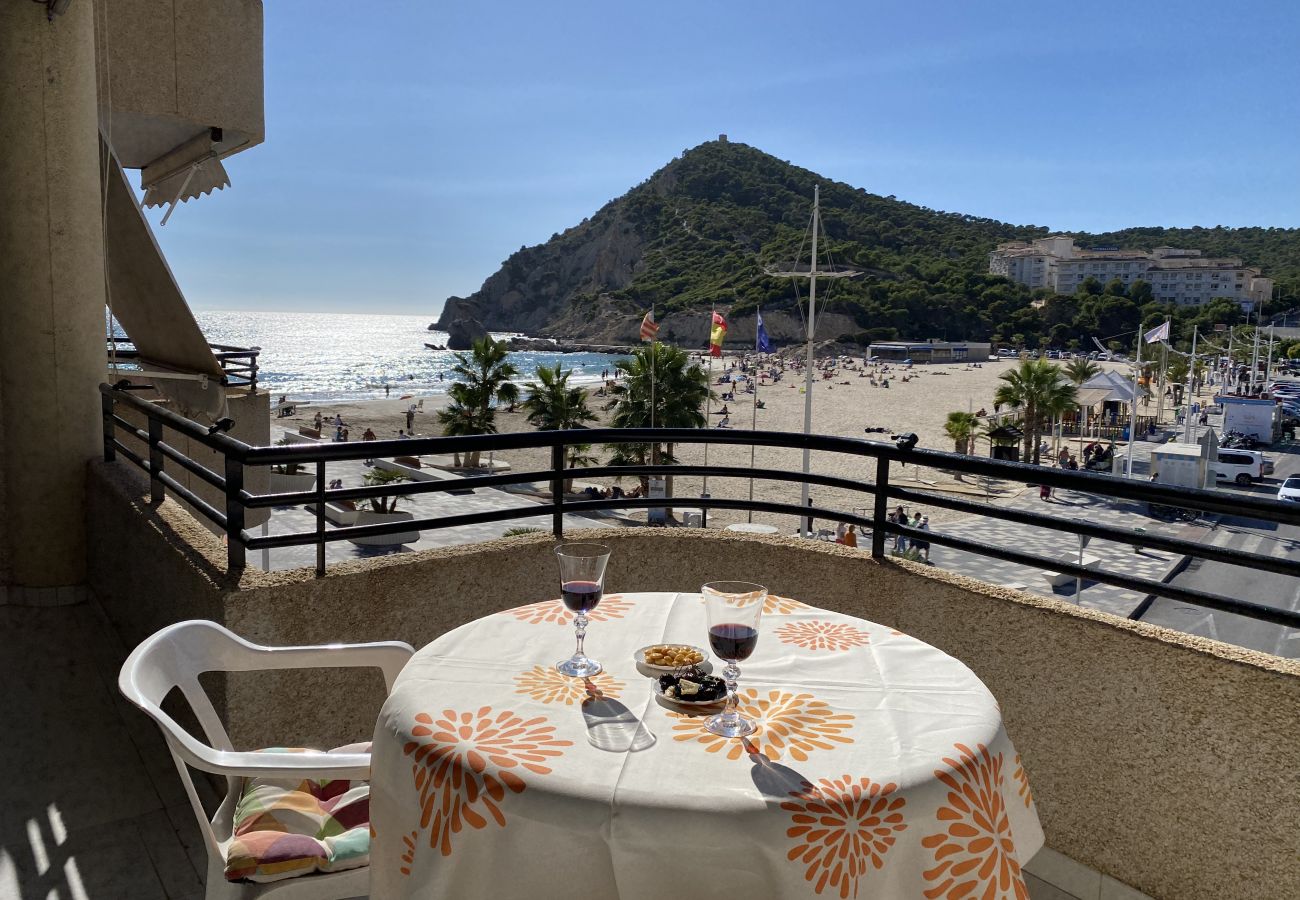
x=285, y=828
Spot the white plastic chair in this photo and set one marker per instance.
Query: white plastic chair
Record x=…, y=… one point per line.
x=173, y=658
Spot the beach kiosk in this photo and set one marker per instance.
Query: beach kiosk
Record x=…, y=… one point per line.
x=1005, y=442
x=1185, y=465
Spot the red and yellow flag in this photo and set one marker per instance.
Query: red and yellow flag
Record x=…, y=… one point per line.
x=649, y=328
x=716, y=334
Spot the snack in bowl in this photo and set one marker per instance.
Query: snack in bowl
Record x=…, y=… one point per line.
x=672, y=656
x=693, y=686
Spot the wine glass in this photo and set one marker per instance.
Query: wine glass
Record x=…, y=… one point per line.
x=733, y=609
x=582, y=583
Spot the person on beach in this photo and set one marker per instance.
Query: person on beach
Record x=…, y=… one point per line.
x=840, y=531
x=369, y=435
x=851, y=537
x=318, y=421
x=923, y=546
x=387, y=389
x=410, y=419
x=344, y=433
x=1063, y=457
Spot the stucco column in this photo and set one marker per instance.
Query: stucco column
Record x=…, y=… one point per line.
x=51, y=290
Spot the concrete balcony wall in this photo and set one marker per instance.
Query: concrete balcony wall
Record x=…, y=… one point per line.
x=1164, y=761
x=170, y=69
x=251, y=413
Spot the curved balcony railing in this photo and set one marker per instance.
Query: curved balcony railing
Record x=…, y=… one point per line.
x=238, y=456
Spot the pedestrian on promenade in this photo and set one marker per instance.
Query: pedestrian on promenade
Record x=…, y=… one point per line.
x=923, y=523
x=1044, y=493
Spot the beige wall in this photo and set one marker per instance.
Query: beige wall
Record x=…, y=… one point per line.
x=1167, y=762
x=51, y=291
x=172, y=68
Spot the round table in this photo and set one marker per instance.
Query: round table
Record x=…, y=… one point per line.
x=880, y=767
x=753, y=528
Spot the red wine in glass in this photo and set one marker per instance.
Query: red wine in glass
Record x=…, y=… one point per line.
x=582, y=596
x=733, y=642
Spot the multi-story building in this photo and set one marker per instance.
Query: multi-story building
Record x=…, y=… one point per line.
x=1176, y=276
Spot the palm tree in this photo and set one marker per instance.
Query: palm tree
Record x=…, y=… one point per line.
x=1080, y=369
x=1036, y=388
x=552, y=405
x=576, y=455
x=961, y=426
x=679, y=391
x=379, y=478
x=481, y=377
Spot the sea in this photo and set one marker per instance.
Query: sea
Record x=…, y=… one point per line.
x=351, y=356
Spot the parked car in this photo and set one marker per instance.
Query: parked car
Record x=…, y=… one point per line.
x=1242, y=466
x=1290, y=489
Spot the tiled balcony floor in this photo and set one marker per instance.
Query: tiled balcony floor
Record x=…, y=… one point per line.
x=91, y=807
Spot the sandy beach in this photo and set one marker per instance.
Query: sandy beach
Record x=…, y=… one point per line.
x=844, y=405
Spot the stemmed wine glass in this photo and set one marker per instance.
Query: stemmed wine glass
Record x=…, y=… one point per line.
x=733, y=609
x=582, y=584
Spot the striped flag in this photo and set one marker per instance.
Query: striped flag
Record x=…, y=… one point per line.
x=648, y=327
x=1159, y=333
x=716, y=334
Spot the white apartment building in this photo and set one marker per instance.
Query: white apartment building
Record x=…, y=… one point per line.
x=1176, y=276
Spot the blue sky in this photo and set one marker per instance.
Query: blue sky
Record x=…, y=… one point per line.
x=412, y=146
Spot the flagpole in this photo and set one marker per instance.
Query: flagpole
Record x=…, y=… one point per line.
x=653, y=354
x=753, y=425
x=708, y=409
x=805, y=527
x=1133, y=405
x=1191, y=394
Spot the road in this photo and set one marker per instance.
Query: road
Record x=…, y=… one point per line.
x=1281, y=591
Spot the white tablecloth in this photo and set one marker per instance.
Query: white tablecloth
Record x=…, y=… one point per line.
x=880, y=769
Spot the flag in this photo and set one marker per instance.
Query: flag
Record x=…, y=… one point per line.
x=1159, y=333
x=716, y=334
x=761, y=340
x=648, y=327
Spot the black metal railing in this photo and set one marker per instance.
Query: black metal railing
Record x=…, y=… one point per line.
x=239, y=456
x=238, y=364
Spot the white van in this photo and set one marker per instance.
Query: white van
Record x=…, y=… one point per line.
x=1242, y=466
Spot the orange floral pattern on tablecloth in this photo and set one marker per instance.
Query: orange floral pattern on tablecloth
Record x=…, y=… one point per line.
x=612, y=606
x=408, y=852
x=974, y=854
x=1022, y=783
x=841, y=828
x=775, y=605
x=819, y=635
x=546, y=685
x=464, y=763
x=788, y=725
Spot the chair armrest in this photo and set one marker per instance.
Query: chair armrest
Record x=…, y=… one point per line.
x=262, y=764
x=388, y=656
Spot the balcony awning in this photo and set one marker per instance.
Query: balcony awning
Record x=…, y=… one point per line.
x=194, y=180
x=148, y=304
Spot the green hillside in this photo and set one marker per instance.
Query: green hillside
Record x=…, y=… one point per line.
x=701, y=231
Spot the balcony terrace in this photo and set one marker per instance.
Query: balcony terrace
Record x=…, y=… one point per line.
x=1161, y=763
